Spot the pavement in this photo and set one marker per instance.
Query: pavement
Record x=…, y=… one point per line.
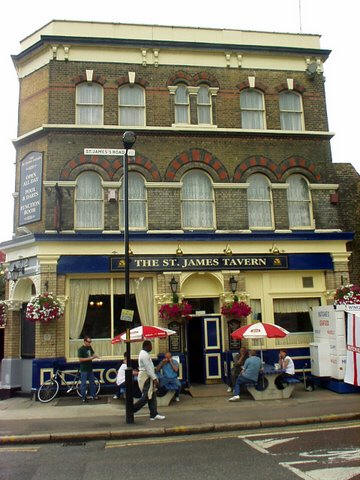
x=66, y=419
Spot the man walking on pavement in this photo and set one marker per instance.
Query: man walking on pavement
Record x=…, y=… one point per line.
x=147, y=381
x=86, y=355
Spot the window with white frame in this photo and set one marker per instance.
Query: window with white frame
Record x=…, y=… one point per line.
x=89, y=104
x=137, y=202
x=89, y=201
x=299, y=202
x=293, y=314
x=131, y=105
x=259, y=202
x=204, y=105
x=197, y=200
x=252, y=109
x=182, y=105
x=291, y=111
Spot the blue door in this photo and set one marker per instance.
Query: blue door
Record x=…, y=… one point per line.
x=212, y=348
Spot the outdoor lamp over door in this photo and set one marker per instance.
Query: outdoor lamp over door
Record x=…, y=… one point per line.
x=128, y=141
x=17, y=269
x=174, y=285
x=233, y=284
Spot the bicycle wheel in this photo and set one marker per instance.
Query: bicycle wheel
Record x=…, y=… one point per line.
x=48, y=391
x=97, y=387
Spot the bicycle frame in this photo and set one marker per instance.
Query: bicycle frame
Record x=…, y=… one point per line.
x=71, y=384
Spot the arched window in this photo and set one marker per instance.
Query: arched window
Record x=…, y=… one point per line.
x=197, y=201
x=182, y=104
x=137, y=202
x=131, y=105
x=89, y=201
x=252, y=109
x=89, y=104
x=299, y=202
x=204, y=106
x=259, y=202
x=291, y=112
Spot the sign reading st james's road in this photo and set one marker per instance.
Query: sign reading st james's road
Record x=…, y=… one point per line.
x=146, y=263
x=30, y=188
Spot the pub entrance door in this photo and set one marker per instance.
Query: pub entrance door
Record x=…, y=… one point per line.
x=204, y=348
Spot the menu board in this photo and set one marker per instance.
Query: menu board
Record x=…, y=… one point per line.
x=30, y=188
x=175, y=339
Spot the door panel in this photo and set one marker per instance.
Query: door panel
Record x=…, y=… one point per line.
x=212, y=347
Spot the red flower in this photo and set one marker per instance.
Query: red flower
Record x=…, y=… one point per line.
x=236, y=309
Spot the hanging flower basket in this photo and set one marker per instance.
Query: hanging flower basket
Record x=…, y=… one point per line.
x=347, y=294
x=175, y=311
x=3, y=309
x=235, y=309
x=44, y=308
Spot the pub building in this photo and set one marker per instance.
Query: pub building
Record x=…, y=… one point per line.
x=232, y=190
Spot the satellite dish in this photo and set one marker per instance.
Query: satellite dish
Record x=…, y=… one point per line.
x=311, y=69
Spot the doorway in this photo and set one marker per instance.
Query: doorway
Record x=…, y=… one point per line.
x=195, y=344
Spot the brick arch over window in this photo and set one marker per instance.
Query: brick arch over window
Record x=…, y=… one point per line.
x=180, y=77
x=205, y=77
x=299, y=163
x=196, y=157
x=140, y=164
x=258, y=86
x=263, y=163
x=96, y=79
x=125, y=80
x=284, y=86
x=83, y=163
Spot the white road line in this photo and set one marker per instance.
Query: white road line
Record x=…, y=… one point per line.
x=19, y=449
x=159, y=441
x=299, y=473
x=339, y=473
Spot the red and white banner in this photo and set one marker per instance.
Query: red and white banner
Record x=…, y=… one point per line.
x=352, y=372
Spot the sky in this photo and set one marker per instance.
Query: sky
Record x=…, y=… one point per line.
x=335, y=21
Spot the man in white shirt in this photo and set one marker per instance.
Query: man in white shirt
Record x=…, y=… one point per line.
x=147, y=380
x=120, y=380
x=288, y=369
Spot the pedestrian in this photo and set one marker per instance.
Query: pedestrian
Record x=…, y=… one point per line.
x=249, y=375
x=86, y=355
x=148, y=382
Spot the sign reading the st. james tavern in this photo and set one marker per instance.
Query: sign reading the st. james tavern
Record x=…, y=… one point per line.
x=30, y=188
x=146, y=263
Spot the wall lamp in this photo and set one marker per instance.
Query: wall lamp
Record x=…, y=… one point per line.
x=173, y=285
x=233, y=284
x=17, y=268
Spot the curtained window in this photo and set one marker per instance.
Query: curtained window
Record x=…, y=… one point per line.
x=291, y=113
x=293, y=313
x=299, y=203
x=137, y=202
x=131, y=105
x=252, y=109
x=259, y=202
x=204, y=106
x=95, y=306
x=89, y=104
x=197, y=200
x=182, y=105
x=89, y=201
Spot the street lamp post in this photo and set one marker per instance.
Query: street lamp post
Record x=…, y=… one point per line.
x=128, y=141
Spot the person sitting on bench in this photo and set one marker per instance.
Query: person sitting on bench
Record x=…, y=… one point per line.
x=287, y=365
x=120, y=380
x=168, y=372
x=249, y=375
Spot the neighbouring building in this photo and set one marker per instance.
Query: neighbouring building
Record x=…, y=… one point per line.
x=231, y=178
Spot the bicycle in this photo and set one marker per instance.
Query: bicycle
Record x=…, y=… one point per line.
x=50, y=388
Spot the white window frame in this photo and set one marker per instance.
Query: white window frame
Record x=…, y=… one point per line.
x=128, y=85
x=262, y=110
x=77, y=104
x=298, y=112
x=182, y=104
x=309, y=202
x=76, y=200
x=269, y=200
x=121, y=204
x=209, y=105
x=212, y=201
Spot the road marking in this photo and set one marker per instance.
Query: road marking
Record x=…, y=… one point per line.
x=287, y=432
x=159, y=441
x=263, y=445
x=19, y=449
x=335, y=455
x=339, y=473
